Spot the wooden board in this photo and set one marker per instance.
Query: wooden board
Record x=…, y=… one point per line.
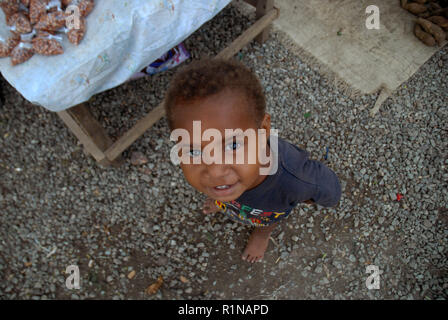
x=89, y=132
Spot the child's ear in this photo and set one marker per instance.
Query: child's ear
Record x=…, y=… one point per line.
x=266, y=124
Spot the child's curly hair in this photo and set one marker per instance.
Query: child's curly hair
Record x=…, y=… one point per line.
x=206, y=77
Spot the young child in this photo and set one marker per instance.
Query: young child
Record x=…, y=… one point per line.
x=224, y=94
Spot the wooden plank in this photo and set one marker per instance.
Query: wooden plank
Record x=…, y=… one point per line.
x=384, y=94
x=152, y=117
x=89, y=131
x=263, y=7
x=252, y=2
x=249, y=34
x=83, y=136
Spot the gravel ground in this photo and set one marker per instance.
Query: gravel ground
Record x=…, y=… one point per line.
x=58, y=207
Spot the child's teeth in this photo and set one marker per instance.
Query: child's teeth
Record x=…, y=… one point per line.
x=221, y=187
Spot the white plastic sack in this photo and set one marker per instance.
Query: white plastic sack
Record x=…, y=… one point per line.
x=123, y=36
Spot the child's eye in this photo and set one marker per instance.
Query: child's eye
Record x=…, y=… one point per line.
x=195, y=153
x=233, y=146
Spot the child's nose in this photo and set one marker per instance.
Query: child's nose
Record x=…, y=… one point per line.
x=217, y=171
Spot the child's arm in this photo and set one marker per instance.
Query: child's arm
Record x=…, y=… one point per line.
x=326, y=189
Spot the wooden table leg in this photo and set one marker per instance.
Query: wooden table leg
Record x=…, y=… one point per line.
x=263, y=7
x=89, y=132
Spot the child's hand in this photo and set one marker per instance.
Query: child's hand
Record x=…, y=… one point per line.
x=210, y=206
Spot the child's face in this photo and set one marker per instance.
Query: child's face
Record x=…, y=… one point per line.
x=225, y=110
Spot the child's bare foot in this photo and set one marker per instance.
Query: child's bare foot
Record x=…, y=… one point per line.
x=209, y=206
x=257, y=244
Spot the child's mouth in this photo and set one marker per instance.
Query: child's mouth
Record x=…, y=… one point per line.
x=226, y=186
x=223, y=190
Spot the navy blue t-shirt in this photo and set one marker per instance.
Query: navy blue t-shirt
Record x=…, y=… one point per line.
x=297, y=179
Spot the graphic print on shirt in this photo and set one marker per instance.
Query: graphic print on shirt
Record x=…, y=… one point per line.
x=248, y=215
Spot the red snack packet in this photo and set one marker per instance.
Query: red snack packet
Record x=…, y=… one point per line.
x=7, y=46
x=44, y=33
x=20, y=23
x=76, y=35
x=54, y=5
x=37, y=9
x=85, y=6
x=9, y=7
x=9, y=19
x=47, y=45
x=52, y=21
x=21, y=53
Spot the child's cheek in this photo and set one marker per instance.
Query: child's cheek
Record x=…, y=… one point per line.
x=248, y=173
x=192, y=175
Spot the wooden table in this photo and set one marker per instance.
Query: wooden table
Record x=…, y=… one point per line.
x=93, y=136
